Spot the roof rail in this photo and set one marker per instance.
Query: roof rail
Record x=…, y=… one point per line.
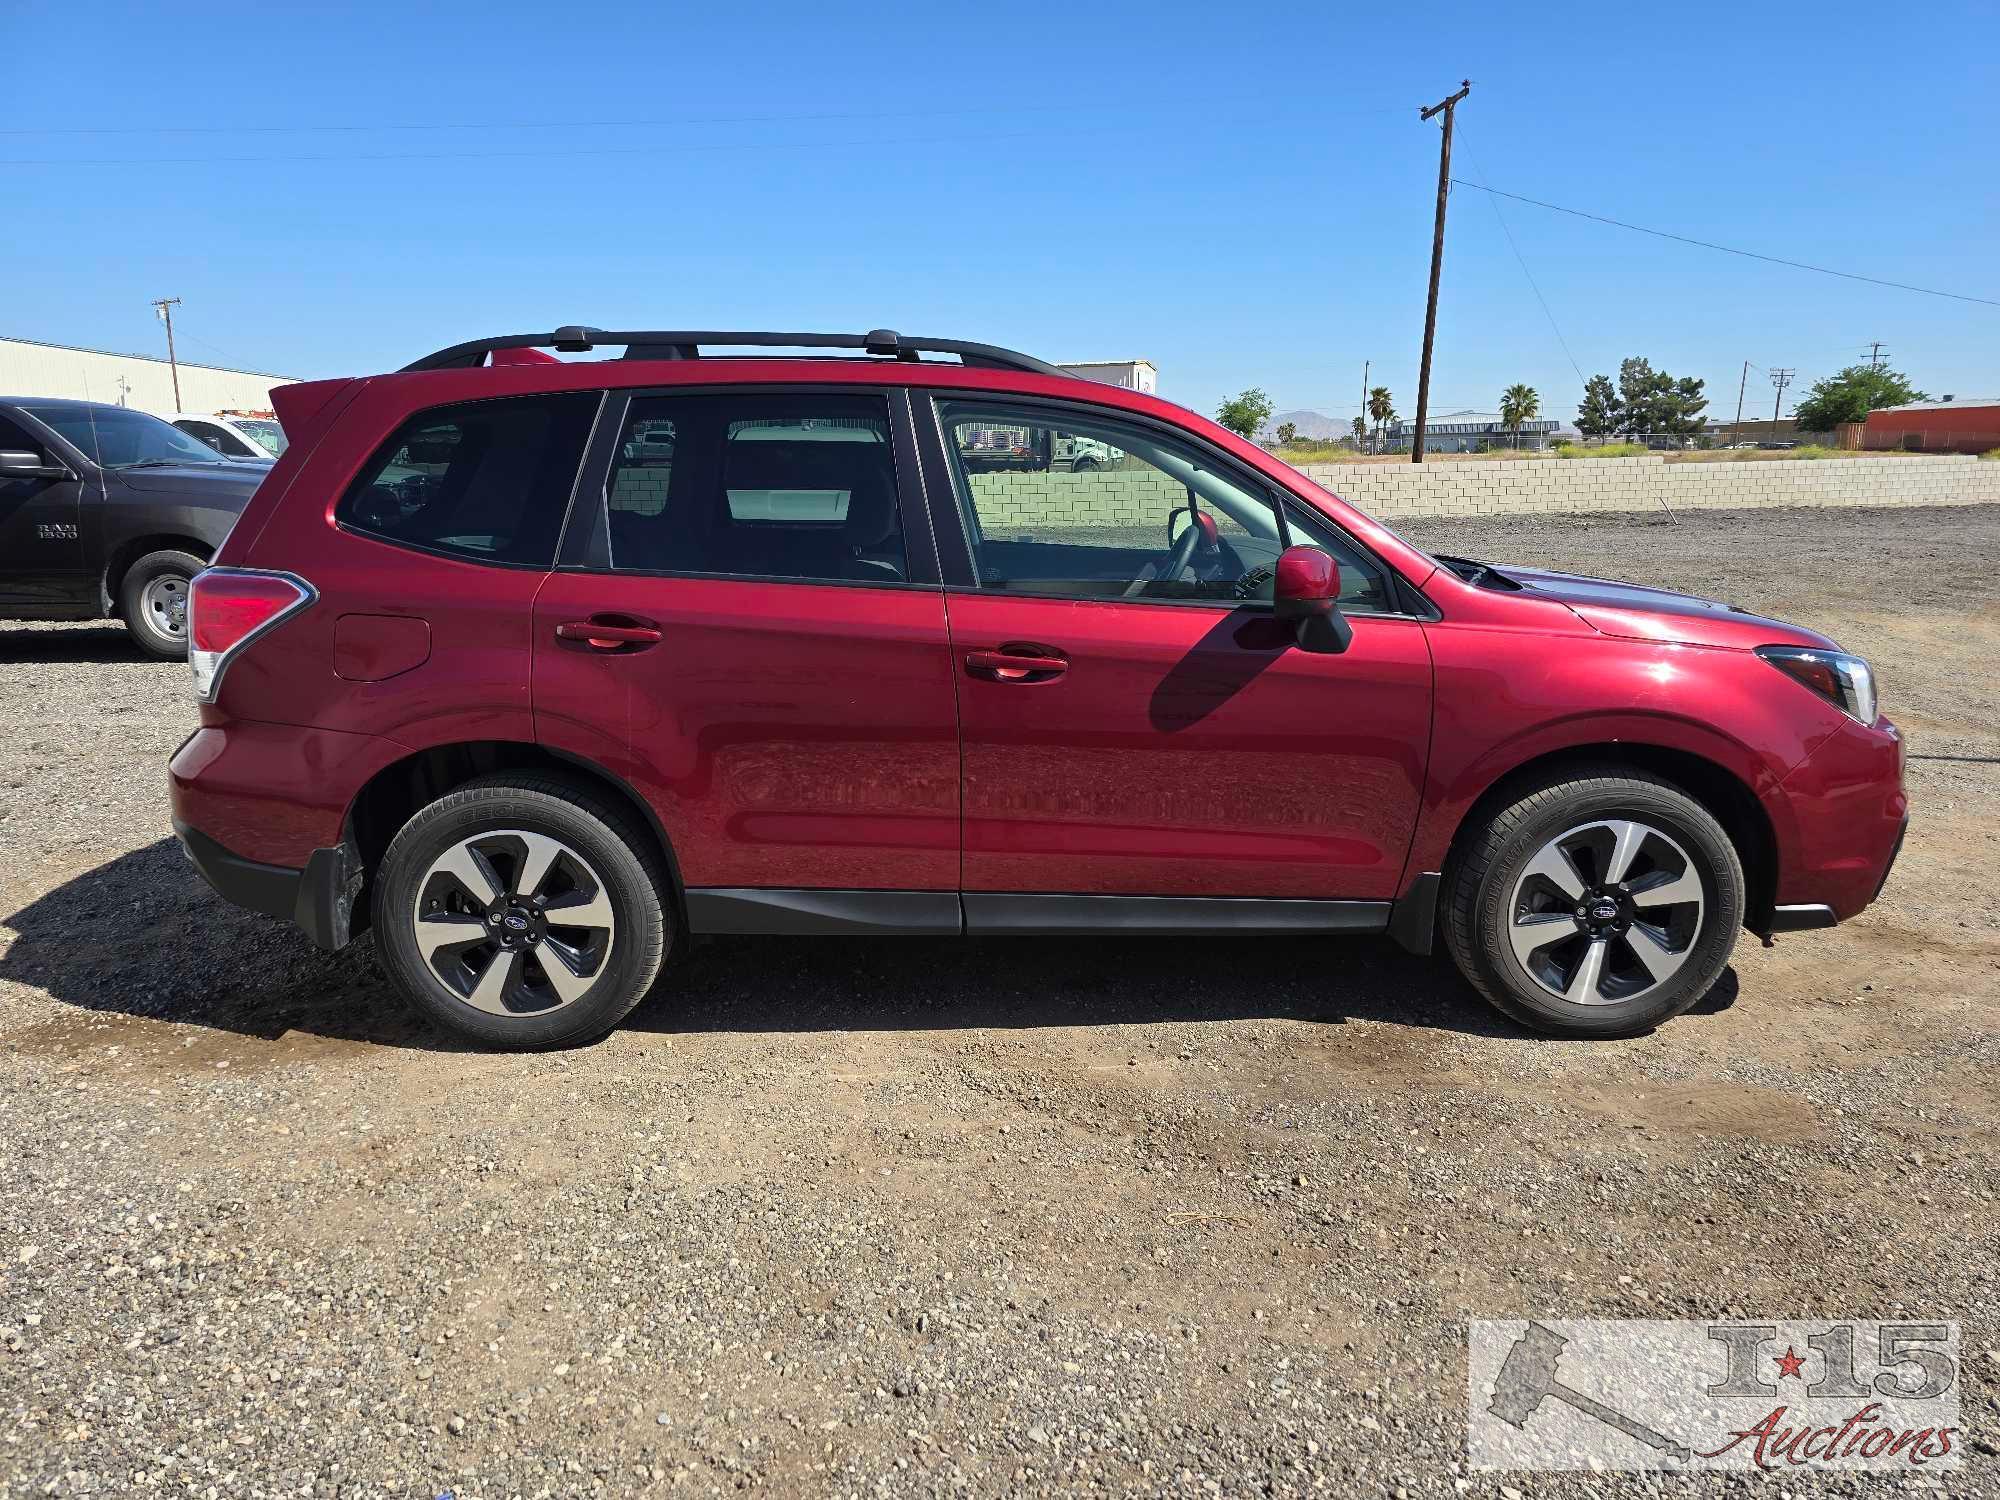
x=677, y=344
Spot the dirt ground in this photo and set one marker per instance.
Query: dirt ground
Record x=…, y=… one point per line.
x=911, y=1217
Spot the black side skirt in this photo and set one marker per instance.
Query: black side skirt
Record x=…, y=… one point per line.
x=821, y=913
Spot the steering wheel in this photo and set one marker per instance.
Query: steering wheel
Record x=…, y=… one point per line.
x=1178, y=560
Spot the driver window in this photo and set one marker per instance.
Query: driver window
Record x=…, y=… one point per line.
x=1095, y=509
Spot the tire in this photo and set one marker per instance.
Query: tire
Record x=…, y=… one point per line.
x=505, y=994
x=152, y=597
x=1528, y=901
x=1082, y=465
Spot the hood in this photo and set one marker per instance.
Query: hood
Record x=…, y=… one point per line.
x=1641, y=613
x=230, y=485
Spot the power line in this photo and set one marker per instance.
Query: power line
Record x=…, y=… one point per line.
x=656, y=150
x=1534, y=287
x=484, y=125
x=1776, y=260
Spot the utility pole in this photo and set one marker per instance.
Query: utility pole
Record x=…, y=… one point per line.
x=1736, y=432
x=165, y=306
x=1780, y=379
x=1446, y=106
x=1364, y=403
x=1877, y=355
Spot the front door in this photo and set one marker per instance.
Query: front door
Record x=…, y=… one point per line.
x=755, y=640
x=41, y=551
x=1134, y=720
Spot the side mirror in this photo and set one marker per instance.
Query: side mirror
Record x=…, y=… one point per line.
x=1306, y=595
x=20, y=463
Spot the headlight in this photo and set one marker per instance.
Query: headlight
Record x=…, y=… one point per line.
x=1843, y=680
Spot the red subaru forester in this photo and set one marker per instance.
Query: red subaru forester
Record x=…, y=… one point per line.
x=538, y=667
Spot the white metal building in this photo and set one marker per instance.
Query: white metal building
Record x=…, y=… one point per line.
x=1134, y=374
x=140, y=381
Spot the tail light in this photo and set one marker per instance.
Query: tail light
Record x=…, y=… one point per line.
x=228, y=608
x=1842, y=679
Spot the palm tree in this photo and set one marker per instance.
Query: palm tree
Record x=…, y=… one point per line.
x=1360, y=433
x=1382, y=408
x=1518, y=404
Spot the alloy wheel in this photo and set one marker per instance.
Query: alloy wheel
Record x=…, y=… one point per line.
x=1606, y=912
x=514, y=923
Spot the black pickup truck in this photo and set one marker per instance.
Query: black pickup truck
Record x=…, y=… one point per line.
x=106, y=513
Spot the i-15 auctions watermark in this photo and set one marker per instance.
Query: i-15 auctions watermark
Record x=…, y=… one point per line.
x=1780, y=1395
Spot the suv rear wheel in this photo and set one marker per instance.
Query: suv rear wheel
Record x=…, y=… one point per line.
x=154, y=598
x=523, y=911
x=1597, y=904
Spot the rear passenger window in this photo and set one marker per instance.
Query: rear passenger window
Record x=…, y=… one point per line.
x=489, y=480
x=757, y=486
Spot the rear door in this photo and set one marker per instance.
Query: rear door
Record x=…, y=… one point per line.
x=1135, y=722
x=747, y=625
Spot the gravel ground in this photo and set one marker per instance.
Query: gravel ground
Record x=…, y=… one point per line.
x=893, y=1218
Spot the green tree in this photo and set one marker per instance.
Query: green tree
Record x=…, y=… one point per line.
x=1381, y=410
x=1637, y=395
x=1851, y=395
x=1244, y=414
x=1681, y=406
x=1597, y=415
x=1655, y=403
x=1287, y=433
x=1360, y=432
x=1518, y=404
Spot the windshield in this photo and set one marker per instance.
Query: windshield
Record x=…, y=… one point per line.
x=265, y=433
x=114, y=437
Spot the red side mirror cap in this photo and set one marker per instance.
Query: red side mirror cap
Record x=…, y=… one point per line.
x=1306, y=595
x=1308, y=583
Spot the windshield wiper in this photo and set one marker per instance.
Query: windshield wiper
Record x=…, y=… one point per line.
x=1480, y=575
x=1472, y=572
x=172, y=463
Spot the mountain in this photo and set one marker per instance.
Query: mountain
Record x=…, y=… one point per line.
x=1311, y=424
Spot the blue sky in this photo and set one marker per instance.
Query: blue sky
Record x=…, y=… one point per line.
x=1241, y=194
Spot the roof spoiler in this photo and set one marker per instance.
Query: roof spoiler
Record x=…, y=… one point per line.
x=676, y=344
x=301, y=404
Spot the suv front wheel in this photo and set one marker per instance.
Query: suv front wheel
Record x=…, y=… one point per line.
x=1596, y=904
x=523, y=911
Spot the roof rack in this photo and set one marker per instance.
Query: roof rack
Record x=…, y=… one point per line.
x=675, y=344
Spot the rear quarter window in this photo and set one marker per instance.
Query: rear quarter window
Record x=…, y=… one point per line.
x=485, y=480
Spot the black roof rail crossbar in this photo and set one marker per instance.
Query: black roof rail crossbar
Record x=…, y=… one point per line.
x=678, y=344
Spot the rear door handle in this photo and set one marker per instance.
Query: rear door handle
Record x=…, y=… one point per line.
x=609, y=632
x=1017, y=663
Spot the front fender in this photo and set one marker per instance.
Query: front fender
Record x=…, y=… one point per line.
x=1597, y=694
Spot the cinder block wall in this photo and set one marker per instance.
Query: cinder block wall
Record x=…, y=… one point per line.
x=1530, y=486
x=1137, y=495
x=1141, y=496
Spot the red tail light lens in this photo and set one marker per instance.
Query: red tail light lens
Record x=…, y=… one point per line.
x=230, y=607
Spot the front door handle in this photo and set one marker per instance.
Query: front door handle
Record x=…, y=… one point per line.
x=1017, y=663
x=609, y=632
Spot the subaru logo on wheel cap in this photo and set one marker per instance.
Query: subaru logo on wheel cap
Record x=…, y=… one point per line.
x=518, y=924
x=1604, y=910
